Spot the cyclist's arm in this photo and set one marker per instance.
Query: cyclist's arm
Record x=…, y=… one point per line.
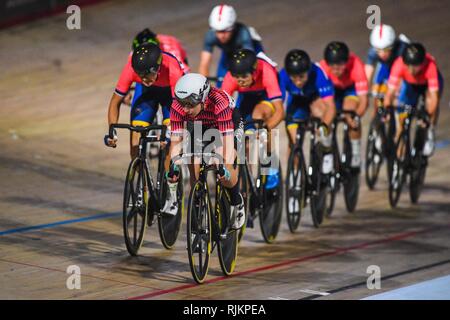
x=369, y=69
x=326, y=92
x=330, y=110
x=206, y=55
x=432, y=101
x=114, y=109
x=127, y=77
x=277, y=116
x=362, y=105
x=205, y=62
x=371, y=62
x=395, y=76
x=174, y=149
x=361, y=86
x=273, y=91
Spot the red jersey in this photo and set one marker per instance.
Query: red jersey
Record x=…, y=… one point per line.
x=428, y=74
x=172, y=45
x=169, y=73
x=265, y=77
x=354, y=74
x=217, y=113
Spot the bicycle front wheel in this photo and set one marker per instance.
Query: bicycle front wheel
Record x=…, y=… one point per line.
x=135, y=206
x=199, y=232
x=244, y=190
x=418, y=167
x=351, y=179
x=168, y=225
x=271, y=213
x=295, y=189
x=228, y=241
x=397, y=172
x=374, y=156
x=319, y=192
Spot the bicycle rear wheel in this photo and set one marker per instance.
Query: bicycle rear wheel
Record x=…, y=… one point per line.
x=227, y=246
x=418, y=167
x=397, y=172
x=135, y=206
x=199, y=232
x=318, y=194
x=333, y=183
x=271, y=213
x=374, y=156
x=168, y=225
x=244, y=190
x=351, y=179
x=295, y=189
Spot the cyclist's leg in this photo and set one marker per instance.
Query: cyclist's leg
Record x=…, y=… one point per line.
x=264, y=110
x=350, y=103
x=142, y=113
x=298, y=112
x=408, y=95
x=245, y=103
x=165, y=100
x=432, y=100
x=434, y=112
x=232, y=142
x=379, y=87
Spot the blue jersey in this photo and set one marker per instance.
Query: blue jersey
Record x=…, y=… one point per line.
x=317, y=85
x=397, y=50
x=240, y=39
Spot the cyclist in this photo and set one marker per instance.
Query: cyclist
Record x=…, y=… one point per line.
x=346, y=71
x=158, y=71
x=168, y=44
x=385, y=48
x=228, y=35
x=306, y=89
x=255, y=78
x=421, y=77
x=197, y=101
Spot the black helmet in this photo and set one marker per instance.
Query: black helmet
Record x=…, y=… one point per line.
x=145, y=36
x=414, y=54
x=336, y=52
x=297, y=62
x=243, y=62
x=146, y=59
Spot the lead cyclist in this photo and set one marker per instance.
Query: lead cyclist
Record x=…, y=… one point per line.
x=196, y=101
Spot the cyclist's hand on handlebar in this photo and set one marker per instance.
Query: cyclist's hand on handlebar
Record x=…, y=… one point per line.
x=110, y=142
x=353, y=122
x=224, y=175
x=173, y=174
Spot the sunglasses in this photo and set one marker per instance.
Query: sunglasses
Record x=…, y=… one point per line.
x=151, y=72
x=190, y=102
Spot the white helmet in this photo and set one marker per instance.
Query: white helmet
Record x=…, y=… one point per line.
x=192, y=89
x=222, y=18
x=382, y=36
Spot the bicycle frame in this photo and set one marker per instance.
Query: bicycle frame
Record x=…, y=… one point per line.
x=142, y=150
x=202, y=177
x=303, y=126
